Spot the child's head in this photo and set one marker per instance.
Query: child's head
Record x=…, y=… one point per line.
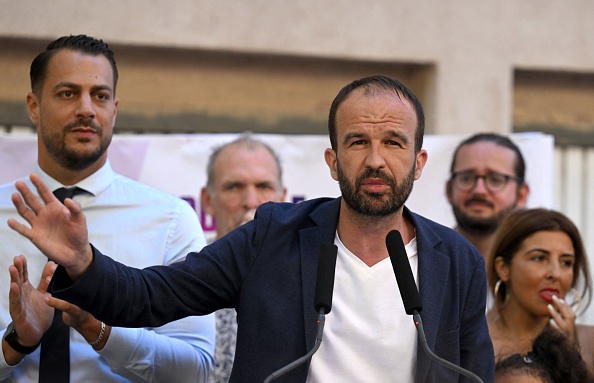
x=553, y=359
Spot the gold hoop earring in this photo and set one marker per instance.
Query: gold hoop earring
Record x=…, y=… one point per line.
x=496, y=291
x=578, y=298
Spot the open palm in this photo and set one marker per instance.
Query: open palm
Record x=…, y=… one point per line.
x=28, y=310
x=59, y=231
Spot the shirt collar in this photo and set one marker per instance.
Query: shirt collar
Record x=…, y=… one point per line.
x=94, y=184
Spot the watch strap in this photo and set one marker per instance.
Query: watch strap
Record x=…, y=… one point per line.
x=11, y=338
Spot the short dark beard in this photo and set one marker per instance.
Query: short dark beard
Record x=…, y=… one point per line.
x=67, y=157
x=480, y=226
x=375, y=204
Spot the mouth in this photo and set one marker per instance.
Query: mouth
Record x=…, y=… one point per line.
x=547, y=294
x=374, y=185
x=476, y=203
x=84, y=132
x=83, y=129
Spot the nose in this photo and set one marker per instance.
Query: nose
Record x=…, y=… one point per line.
x=554, y=271
x=480, y=186
x=251, y=198
x=85, y=107
x=375, y=158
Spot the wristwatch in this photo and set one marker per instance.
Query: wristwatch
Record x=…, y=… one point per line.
x=10, y=336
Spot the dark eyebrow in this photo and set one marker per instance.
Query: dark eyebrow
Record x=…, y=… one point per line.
x=350, y=136
x=399, y=135
x=265, y=184
x=229, y=183
x=96, y=88
x=65, y=84
x=540, y=250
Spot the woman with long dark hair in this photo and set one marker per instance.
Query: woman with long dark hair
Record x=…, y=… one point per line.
x=538, y=272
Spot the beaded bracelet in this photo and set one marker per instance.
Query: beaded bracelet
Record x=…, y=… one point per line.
x=95, y=343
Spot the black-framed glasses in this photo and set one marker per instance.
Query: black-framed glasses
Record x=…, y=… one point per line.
x=494, y=182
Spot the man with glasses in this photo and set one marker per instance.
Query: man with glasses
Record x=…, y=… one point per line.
x=487, y=181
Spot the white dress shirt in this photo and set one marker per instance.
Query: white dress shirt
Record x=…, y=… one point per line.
x=138, y=226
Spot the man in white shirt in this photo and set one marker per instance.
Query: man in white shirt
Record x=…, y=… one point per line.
x=74, y=106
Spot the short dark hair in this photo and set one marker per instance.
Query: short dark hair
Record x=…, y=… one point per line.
x=78, y=43
x=497, y=139
x=384, y=83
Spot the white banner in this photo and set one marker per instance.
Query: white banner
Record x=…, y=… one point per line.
x=177, y=164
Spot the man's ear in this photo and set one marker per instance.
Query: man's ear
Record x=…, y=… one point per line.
x=206, y=201
x=330, y=157
x=523, y=191
x=115, y=110
x=421, y=161
x=449, y=190
x=33, y=106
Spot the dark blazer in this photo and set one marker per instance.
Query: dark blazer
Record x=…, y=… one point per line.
x=266, y=269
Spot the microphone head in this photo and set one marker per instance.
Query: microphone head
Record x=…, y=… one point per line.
x=325, y=277
x=403, y=272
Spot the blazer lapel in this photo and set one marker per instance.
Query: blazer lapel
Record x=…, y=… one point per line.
x=433, y=274
x=323, y=230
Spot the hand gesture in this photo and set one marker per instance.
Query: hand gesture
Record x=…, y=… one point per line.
x=248, y=216
x=82, y=321
x=563, y=318
x=59, y=231
x=29, y=312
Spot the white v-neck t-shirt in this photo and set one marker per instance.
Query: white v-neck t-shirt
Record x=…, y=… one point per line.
x=368, y=337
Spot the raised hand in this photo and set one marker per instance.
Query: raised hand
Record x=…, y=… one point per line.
x=248, y=216
x=563, y=318
x=59, y=231
x=29, y=312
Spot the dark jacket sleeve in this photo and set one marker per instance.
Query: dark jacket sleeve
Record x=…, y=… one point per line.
x=129, y=297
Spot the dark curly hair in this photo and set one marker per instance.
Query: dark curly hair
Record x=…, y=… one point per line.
x=553, y=359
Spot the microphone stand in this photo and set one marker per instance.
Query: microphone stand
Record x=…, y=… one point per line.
x=446, y=363
x=304, y=358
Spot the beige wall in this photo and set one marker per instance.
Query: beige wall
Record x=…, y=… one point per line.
x=468, y=51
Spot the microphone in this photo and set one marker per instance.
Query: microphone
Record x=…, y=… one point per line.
x=322, y=303
x=411, y=298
